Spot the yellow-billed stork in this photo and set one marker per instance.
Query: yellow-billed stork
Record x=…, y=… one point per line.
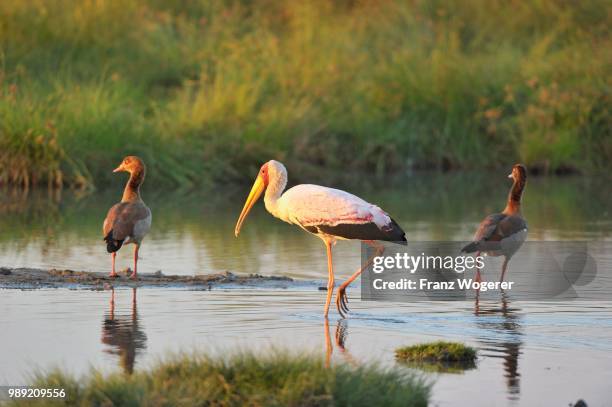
x=328, y=213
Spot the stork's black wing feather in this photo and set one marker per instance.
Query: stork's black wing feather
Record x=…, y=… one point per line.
x=362, y=231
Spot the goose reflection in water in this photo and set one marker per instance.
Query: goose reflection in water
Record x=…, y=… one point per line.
x=503, y=338
x=123, y=334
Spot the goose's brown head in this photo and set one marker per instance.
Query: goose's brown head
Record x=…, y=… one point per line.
x=519, y=173
x=131, y=164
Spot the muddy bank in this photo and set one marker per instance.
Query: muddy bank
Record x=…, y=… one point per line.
x=28, y=278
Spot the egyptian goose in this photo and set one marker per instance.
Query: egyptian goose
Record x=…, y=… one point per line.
x=129, y=220
x=502, y=234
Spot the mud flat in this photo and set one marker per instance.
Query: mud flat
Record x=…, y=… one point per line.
x=29, y=278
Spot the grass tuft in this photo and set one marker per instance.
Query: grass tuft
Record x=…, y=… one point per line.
x=278, y=379
x=440, y=356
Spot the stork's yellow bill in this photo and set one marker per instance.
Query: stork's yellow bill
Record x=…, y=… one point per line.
x=258, y=187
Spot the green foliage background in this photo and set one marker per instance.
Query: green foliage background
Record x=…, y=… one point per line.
x=207, y=90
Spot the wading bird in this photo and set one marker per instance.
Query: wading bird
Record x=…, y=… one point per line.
x=129, y=220
x=330, y=214
x=502, y=234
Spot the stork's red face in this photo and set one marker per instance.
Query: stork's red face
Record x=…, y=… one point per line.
x=263, y=173
x=261, y=182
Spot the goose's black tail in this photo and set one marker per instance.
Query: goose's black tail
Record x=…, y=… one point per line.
x=112, y=245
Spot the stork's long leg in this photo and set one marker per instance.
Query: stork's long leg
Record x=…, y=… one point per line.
x=341, y=334
x=134, y=275
x=113, y=272
x=328, y=344
x=504, y=266
x=340, y=337
x=341, y=298
x=330, y=277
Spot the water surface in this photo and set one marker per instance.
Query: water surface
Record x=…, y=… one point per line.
x=560, y=349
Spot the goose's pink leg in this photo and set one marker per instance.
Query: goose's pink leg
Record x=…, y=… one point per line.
x=478, y=278
x=134, y=275
x=504, y=267
x=113, y=273
x=112, y=304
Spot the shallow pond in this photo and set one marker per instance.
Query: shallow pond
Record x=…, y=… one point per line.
x=559, y=349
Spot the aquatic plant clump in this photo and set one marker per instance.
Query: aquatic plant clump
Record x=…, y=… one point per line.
x=274, y=379
x=438, y=357
x=440, y=351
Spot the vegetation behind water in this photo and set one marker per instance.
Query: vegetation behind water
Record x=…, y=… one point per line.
x=243, y=379
x=206, y=91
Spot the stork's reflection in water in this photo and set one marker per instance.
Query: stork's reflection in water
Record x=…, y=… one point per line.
x=507, y=339
x=340, y=337
x=123, y=334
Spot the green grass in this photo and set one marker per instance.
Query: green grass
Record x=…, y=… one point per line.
x=207, y=90
x=278, y=379
x=440, y=356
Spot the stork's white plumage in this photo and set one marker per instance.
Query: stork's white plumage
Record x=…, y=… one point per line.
x=312, y=205
x=328, y=213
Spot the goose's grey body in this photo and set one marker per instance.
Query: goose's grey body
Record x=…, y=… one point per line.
x=125, y=223
x=499, y=235
x=503, y=234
